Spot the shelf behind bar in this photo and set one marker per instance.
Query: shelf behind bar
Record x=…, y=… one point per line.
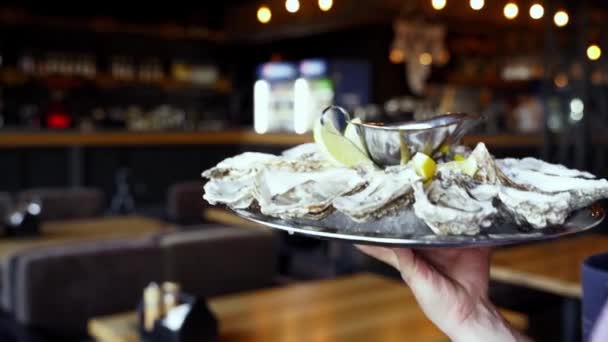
x=228, y=137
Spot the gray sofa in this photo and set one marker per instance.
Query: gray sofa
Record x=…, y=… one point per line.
x=6, y=204
x=66, y=203
x=58, y=289
x=185, y=202
x=216, y=260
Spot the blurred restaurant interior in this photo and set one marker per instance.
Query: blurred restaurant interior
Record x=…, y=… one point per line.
x=109, y=112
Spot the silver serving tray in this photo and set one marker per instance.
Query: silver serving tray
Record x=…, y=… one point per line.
x=406, y=230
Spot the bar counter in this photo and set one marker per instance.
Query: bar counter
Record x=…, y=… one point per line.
x=156, y=160
x=227, y=137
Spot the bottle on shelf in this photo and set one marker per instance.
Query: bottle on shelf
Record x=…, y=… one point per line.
x=56, y=115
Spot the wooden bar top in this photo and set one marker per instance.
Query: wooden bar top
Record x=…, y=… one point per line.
x=226, y=137
x=361, y=307
x=553, y=266
x=126, y=138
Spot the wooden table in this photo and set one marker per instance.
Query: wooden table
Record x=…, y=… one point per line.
x=226, y=217
x=94, y=229
x=362, y=307
x=553, y=266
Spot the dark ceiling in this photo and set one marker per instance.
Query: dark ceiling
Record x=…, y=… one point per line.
x=236, y=18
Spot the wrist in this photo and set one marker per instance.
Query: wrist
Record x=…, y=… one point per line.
x=485, y=324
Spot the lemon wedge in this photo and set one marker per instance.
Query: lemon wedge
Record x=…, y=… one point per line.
x=424, y=166
x=338, y=149
x=351, y=134
x=468, y=166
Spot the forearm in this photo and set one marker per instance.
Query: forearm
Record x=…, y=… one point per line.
x=486, y=324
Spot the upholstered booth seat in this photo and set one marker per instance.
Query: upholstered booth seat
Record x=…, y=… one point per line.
x=213, y=260
x=66, y=203
x=185, y=202
x=57, y=289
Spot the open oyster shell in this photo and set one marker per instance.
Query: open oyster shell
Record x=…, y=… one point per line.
x=301, y=185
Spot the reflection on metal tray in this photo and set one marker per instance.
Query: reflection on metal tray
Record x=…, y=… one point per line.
x=406, y=230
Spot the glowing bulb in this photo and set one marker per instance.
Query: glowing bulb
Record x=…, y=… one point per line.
x=16, y=218
x=396, y=56
x=561, y=18
x=438, y=4
x=261, y=106
x=477, y=4
x=425, y=58
x=34, y=208
x=594, y=52
x=536, y=11
x=576, y=116
x=325, y=5
x=511, y=10
x=264, y=14
x=292, y=6
x=561, y=80
x=444, y=57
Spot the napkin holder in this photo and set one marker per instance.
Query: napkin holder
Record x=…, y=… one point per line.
x=190, y=321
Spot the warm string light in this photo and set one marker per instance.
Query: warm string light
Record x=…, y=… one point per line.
x=325, y=5
x=292, y=6
x=537, y=11
x=594, y=52
x=425, y=58
x=476, y=4
x=396, y=56
x=561, y=80
x=264, y=14
x=561, y=18
x=511, y=10
x=438, y=4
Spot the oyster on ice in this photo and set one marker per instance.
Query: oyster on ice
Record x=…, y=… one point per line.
x=232, y=180
x=387, y=191
x=533, y=208
x=450, y=209
x=534, y=164
x=540, y=176
x=461, y=198
x=309, y=194
x=281, y=187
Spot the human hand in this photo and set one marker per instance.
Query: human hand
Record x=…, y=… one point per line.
x=451, y=287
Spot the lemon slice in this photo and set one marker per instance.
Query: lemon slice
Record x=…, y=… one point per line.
x=468, y=166
x=338, y=149
x=351, y=134
x=424, y=166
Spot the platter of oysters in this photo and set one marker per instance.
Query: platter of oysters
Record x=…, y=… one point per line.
x=409, y=184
